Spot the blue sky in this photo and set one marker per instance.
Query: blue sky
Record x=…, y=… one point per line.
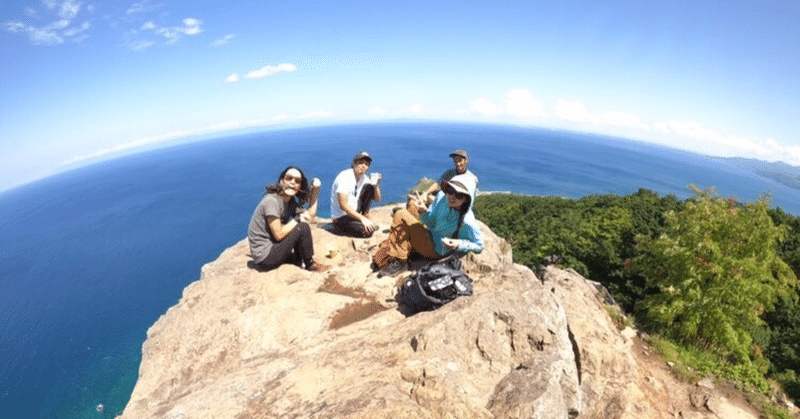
x=89, y=80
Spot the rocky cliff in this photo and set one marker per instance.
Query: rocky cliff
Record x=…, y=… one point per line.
x=242, y=343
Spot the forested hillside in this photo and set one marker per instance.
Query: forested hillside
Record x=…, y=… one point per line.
x=716, y=277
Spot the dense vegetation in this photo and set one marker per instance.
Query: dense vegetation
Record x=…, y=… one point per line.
x=715, y=277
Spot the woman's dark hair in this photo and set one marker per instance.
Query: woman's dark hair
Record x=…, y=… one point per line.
x=462, y=212
x=302, y=194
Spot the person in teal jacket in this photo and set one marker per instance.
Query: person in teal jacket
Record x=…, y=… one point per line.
x=447, y=226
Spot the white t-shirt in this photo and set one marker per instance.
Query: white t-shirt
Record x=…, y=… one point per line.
x=346, y=183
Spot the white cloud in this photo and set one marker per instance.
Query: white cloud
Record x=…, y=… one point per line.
x=661, y=127
x=192, y=26
x=141, y=7
x=172, y=34
x=377, y=110
x=15, y=26
x=59, y=24
x=141, y=45
x=30, y=12
x=696, y=130
x=416, y=109
x=56, y=32
x=174, y=135
x=75, y=31
x=44, y=37
x=315, y=114
x=521, y=104
x=270, y=70
x=233, y=78
x=219, y=43
x=69, y=9
x=621, y=119
x=484, y=106
x=693, y=129
x=572, y=111
x=575, y=111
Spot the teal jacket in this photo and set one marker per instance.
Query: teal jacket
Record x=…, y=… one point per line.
x=442, y=221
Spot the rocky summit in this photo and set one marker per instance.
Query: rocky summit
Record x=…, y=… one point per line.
x=288, y=343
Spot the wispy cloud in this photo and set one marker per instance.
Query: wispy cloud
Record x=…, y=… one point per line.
x=172, y=34
x=484, y=107
x=30, y=12
x=574, y=111
x=140, y=45
x=315, y=114
x=233, y=78
x=377, y=110
x=59, y=31
x=141, y=7
x=154, y=140
x=697, y=131
x=621, y=119
x=697, y=137
x=270, y=70
x=518, y=103
x=221, y=42
x=416, y=109
x=69, y=9
x=170, y=136
x=521, y=104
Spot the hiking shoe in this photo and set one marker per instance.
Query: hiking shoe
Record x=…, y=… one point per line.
x=318, y=267
x=394, y=267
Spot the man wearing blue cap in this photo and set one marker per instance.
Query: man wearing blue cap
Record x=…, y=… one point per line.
x=352, y=193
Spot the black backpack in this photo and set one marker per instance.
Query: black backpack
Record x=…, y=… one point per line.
x=434, y=285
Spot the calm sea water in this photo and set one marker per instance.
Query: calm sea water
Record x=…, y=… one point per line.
x=90, y=259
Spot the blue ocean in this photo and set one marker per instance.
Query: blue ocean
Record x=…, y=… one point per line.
x=90, y=258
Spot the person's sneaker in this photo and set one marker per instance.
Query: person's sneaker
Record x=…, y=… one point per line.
x=318, y=267
x=394, y=267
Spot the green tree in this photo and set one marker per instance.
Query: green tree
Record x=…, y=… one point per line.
x=593, y=235
x=783, y=350
x=718, y=270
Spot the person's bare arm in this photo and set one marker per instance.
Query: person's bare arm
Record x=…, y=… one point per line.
x=368, y=224
x=279, y=229
x=311, y=212
x=432, y=189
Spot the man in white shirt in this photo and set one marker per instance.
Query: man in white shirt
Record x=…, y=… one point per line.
x=352, y=194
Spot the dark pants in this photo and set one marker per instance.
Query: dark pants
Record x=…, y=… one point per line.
x=297, y=248
x=352, y=226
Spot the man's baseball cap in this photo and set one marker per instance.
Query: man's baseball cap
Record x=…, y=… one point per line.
x=362, y=155
x=461, y=153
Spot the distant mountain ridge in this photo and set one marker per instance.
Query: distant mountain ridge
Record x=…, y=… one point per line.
x=778, y=171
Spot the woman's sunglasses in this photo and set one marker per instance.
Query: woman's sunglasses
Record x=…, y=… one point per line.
x=289, y=178
x=449, y=190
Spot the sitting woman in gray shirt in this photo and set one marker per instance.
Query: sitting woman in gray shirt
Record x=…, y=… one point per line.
x=279, y=231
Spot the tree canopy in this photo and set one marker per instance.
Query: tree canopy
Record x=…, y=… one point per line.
x=718, y=270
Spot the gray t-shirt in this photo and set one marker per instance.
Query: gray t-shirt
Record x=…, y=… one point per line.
x=258, y=233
